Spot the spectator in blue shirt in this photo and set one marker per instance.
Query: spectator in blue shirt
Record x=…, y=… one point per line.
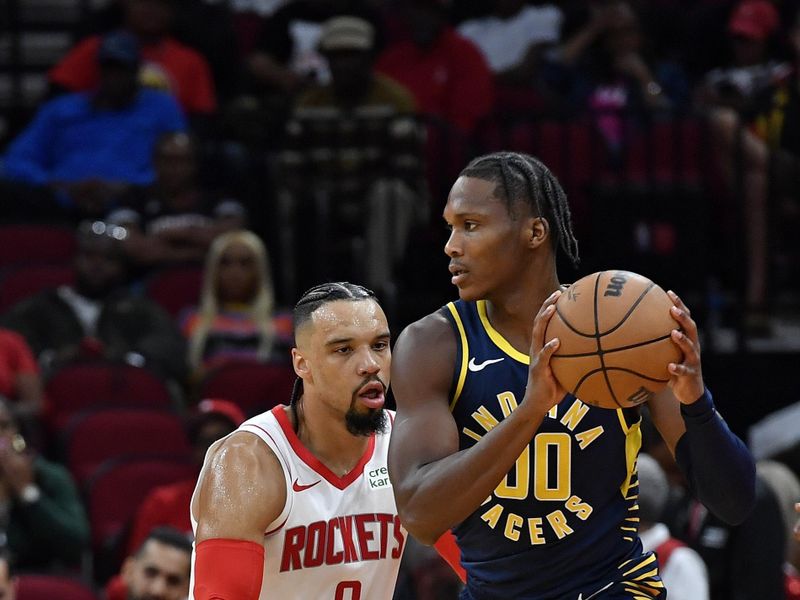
x=81, y=151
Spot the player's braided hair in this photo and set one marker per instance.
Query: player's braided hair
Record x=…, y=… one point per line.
x=310, y=301
x=521, y=178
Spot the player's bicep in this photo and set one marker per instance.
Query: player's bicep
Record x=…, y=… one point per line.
x=241, y=490
x=422, y=372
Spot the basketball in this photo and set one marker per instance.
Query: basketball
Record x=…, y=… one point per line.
x=614, y=328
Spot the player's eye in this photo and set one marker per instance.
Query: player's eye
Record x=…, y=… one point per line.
x=342, y=350
x=470, y=225
x=380, y=345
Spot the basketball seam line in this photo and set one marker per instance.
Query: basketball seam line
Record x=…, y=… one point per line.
x=597, y=325
x=599, y=346
x=622, y=369
x=617, y=349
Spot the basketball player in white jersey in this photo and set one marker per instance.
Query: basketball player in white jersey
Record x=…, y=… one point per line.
x=297, y=502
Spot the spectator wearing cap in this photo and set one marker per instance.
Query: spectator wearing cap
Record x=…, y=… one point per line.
x=97, y=317
x=752, y=29
x=168, y=505
x=446, y=73
x=348, y=44
x=756, y=86
x=82, y=151
x=166, y=64
x=368, y=118
x=175, y=219
x=682, y=570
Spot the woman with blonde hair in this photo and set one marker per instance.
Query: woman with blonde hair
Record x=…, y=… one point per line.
x=236, y=317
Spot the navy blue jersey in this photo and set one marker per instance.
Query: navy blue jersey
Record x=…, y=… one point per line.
x=564, y=521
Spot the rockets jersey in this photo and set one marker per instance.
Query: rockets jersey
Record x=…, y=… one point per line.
x=565, y=517
x=337, y=538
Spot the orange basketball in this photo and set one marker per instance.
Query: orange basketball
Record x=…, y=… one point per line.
x=614, y=328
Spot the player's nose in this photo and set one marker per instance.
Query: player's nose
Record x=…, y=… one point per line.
x=369, y=364
x=453, y=245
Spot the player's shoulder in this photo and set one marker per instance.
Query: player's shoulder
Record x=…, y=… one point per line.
x=238, y=448
x=433, y=329
x=424, y=356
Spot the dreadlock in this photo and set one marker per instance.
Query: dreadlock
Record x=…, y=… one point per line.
x=310, y=301
x=523, y=179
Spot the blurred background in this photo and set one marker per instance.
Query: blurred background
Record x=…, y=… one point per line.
x=175, y=173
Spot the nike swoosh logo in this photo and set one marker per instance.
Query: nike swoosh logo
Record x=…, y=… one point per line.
x=590, y=596
x=297, y=487
x=480, y=367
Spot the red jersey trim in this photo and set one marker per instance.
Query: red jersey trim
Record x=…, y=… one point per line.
x=313, y=462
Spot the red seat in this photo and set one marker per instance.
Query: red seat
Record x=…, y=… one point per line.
x=114, y=492
x=52, y=587
x=81, y=386
x=23, y=244
x=176, y=288
x=97, y=436
x=28, y=280
x=254, y=387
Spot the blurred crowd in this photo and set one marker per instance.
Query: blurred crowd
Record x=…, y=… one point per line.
x=195, y=165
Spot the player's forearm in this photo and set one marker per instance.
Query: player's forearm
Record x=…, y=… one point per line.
x=717, y=465
x=440, y=494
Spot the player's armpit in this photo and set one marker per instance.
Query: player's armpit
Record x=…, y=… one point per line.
x=228, y=570
x=241, y=490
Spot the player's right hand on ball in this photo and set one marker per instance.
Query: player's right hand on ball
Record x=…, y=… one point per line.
x=543, y=390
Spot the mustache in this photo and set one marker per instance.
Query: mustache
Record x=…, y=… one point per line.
x=370, y=379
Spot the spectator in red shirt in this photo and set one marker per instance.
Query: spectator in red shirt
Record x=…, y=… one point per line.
x=446, y=72
x=19, y=375
x=167, y=64
x=169, y=504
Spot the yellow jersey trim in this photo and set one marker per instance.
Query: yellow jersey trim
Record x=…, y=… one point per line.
x=462, y=375
x=633, y=443
x=498, y=339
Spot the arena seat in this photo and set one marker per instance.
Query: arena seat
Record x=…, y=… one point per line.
x=113, y=494
x=80, y=386
x=99, y=435
x=25, y=244
x=52, y=587
x=175, y=288
x=254, y=387
x=24, y=281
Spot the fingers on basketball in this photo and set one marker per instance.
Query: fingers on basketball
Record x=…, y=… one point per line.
x=615, y=330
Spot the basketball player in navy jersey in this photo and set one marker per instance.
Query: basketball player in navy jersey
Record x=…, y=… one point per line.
x=539, y=488
x=297, y=503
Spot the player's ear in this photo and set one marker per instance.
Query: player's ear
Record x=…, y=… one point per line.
x=537, y=231
x=300, y=364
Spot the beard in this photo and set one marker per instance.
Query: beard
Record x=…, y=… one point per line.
x=365, y=423
x=359, y=422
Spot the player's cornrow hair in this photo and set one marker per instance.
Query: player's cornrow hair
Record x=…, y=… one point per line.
x=521, y=178
x=310, y=301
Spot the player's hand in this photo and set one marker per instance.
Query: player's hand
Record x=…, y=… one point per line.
x=543, y=390
x=687, y=377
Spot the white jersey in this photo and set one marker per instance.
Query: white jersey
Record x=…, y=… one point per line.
x=337, y=538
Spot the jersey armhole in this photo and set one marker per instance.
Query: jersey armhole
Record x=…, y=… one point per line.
x=462, y=352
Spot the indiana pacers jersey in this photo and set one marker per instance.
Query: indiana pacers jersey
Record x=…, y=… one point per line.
x=563, y=523
x=337, y=538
